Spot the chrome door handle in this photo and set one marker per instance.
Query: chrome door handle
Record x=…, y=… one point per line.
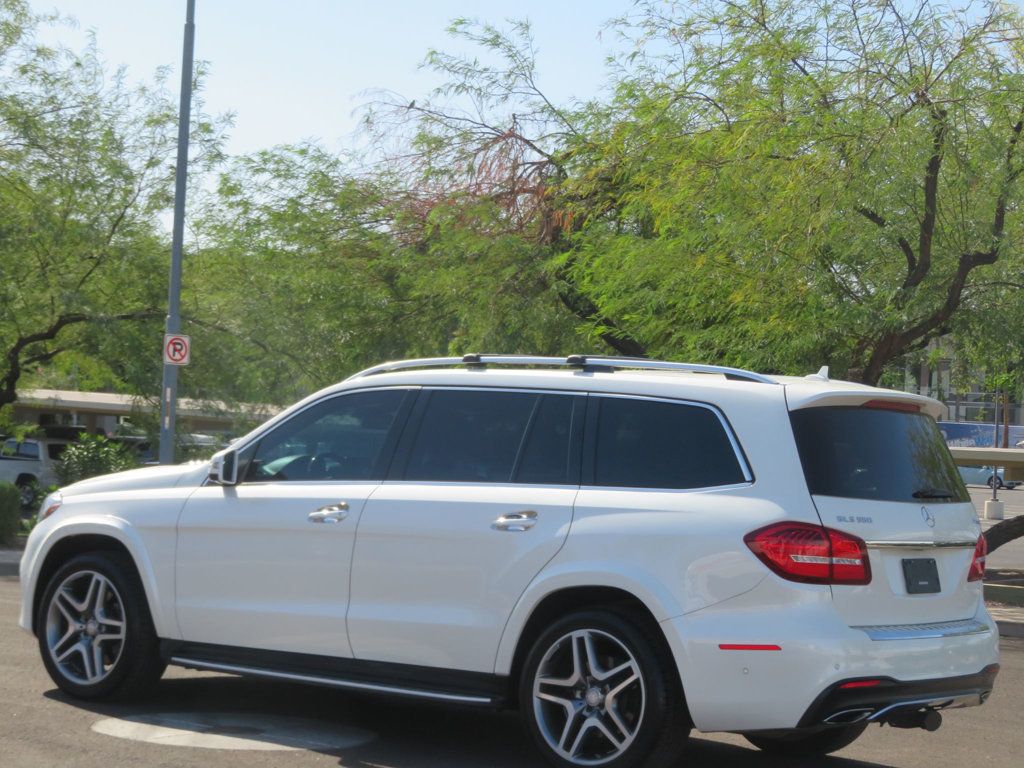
x=516, y=521
x=332, y=513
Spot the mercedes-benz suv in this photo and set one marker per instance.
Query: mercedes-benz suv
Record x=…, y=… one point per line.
x=622, y=549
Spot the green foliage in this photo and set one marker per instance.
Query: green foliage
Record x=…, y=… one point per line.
x=86, y=170
x=91, y=456
x=10, y=513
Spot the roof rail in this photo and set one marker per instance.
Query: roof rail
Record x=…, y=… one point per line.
x=587, y=362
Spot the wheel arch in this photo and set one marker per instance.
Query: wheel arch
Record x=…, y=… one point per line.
x=70, y=542
x=560, y=601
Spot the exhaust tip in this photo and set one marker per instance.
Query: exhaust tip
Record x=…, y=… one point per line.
x=928, y=719
x=931, y=720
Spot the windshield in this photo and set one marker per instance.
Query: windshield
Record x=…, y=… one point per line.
x=884, y=455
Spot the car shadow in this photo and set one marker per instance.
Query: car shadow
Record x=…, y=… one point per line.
x=408, y=734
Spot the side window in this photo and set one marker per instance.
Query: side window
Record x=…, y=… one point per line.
x=548, y=446
x=10, y=448
x=653, y=444
x=470, y=436
x=342, y=438
x=29, y=450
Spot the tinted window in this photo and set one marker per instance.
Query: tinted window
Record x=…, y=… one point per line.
x=867, y=453
x=652, y=444
x=56, y=450
x=25, y=450
x=545, y=454
x=470, y=436
x=338, y=439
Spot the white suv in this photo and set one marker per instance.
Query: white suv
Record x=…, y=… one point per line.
x=623, y=549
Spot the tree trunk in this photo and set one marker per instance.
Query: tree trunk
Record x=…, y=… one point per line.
x=1004, y=532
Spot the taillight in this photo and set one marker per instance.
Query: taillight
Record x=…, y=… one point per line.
x=977, y=571
x=811, y=554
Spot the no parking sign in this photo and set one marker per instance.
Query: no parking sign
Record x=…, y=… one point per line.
x=177, y=349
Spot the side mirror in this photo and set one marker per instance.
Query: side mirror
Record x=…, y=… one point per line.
x=224, y=468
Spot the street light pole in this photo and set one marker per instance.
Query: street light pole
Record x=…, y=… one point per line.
x=169, y=390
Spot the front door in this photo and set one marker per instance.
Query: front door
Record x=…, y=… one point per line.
x=265, y=564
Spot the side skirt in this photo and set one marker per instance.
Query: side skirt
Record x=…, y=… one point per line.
x=452, y=686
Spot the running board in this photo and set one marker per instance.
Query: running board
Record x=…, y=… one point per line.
x=383, y=678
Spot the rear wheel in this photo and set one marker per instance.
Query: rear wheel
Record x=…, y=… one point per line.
x=816, y=744
x=599, y=689
x=96, y=636
x=27, y=491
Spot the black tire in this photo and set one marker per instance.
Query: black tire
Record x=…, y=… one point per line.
x=663, y=725
x=27, y=490
x=815, y=744
x=138, y=665
x=998, y=481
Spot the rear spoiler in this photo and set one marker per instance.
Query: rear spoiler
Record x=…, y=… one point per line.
x=870, y=397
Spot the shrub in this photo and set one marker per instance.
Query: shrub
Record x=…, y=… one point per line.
x=10, y=512
x=91, y=456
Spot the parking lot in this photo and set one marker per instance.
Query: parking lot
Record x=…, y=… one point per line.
x=216, y=721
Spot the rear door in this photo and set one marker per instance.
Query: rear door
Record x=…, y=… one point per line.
x=884, y=474
x=480, y=498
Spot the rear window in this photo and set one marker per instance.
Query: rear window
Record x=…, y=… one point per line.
x=656, y=444
x=866, y=453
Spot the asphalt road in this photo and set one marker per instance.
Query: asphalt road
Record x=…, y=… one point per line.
x=41, y=727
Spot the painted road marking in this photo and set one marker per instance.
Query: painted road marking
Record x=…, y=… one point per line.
x=224, y=730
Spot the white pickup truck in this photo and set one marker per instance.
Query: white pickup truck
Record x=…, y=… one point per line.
x=29, y=463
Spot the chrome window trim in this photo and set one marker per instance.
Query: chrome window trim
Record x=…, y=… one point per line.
x=939, y=629
x=748, y=476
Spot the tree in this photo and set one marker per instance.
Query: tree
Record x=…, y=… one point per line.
x=782, y=184
x=85, y=171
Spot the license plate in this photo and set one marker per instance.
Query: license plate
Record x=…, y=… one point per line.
x=921, y=576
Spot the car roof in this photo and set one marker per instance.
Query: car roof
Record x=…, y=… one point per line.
x=719, y=386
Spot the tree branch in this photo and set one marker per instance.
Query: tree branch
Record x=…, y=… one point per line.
x=931, y=195
x=15, y=363
x=904, y=245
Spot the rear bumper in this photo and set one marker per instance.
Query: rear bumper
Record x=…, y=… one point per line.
x=770, y=667
x=839, y=705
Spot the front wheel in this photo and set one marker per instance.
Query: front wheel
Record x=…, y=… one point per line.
x=815, y=744
x=95, y=632
x=600, y=689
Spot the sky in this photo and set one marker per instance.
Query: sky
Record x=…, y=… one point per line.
x=298, y=70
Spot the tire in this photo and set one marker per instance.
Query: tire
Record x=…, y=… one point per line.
x=815, y=744
x=641, y=705
x=998, y=481
x=95, y=631
x=27, y=490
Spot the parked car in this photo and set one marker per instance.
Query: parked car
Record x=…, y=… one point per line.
x=621, y=549
x=986, y=476
x=30, y=464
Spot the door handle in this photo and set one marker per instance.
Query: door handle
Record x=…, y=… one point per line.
x=516, y=521
x=332, y=513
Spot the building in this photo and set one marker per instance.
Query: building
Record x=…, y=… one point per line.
x=106, y=412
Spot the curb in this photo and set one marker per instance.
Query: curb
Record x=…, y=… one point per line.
x=1010, y=628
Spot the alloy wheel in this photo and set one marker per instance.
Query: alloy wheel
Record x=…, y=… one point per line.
x=85, y=627
x=588, y=697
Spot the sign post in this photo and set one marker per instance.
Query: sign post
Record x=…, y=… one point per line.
x=169, y=390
